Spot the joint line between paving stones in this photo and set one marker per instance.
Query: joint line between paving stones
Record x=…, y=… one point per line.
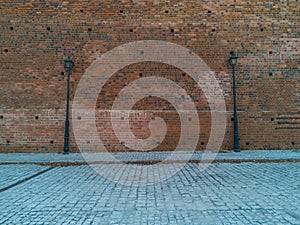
x=152, y=162
x=25, y=179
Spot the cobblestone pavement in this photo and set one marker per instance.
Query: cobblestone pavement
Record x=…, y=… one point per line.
x=224, y=193
x=11, y=174
x=146, y=156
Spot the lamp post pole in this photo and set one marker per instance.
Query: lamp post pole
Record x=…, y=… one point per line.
x=233, y=61
x=68, y=65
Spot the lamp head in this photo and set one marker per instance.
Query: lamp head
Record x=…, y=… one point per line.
x=233, y=58
x=69, y=63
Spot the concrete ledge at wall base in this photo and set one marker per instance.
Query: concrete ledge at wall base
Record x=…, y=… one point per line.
x=153, y=157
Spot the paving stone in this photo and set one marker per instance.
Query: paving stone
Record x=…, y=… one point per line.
x=11, y=174
x=245, y=193
x=145, y=156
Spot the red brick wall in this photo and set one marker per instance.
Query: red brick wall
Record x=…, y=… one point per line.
x=37, y=36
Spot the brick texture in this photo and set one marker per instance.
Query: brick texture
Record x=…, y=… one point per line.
x=37, y=36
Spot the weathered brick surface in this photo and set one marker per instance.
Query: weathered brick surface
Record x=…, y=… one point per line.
x=37, y=36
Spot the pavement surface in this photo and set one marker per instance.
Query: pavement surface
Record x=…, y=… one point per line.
x=32, y=191
x=146, y=156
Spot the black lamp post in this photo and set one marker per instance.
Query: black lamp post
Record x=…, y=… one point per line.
x=68, y=65
x=233, y=61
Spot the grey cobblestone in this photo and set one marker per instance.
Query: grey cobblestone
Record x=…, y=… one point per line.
x=144, y=156
x=10, y=174
x=245, y=193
